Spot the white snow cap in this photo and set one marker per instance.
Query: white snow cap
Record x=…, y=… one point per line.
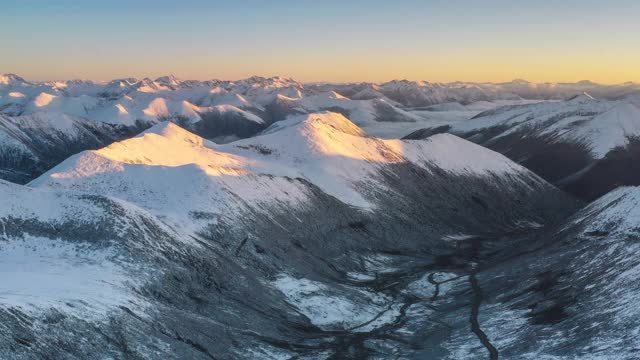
x=167, y=167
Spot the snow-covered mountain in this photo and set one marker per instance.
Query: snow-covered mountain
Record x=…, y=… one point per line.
x=586, y=146
x=224, y=111
x=309, y=240
x=126, y=101
x=221, y=111
x=325, y=149
x=296, y=234
x=571, y=292
x=32, y=144
x=362, y=112
x=424, y=93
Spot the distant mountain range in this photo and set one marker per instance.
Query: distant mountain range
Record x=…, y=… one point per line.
x=224, y=111
x=257, y=91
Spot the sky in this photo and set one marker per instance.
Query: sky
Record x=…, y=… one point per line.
x=323, y=40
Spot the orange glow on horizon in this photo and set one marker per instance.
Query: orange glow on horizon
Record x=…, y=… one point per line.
x=603, y=69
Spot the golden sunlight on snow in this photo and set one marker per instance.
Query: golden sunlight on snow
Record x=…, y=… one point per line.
x=172, y=146
x=121, y=109
x=333, y=134
x=43, y=99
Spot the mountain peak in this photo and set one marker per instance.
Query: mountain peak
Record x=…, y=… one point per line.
x=169, y=130
x=331, y=122
x=168, y=80
x=165, y=145
x=586, y=82
x=584, y=97
x=11, y=79
x=275, y=81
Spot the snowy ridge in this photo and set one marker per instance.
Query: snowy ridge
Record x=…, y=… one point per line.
x=38, y=275
x=359, y=111
x=70, y=270
x=126, y=100
x=224, y=111
x=333, y=153
x=454, y=154
x=60, y=207
x=612, y=129
x=31, y=144
x=20, y=201
x=583, y=145
x=591, y=268
x=333, y=134
x=167, y=169
x=602, y=125
x=617, y=212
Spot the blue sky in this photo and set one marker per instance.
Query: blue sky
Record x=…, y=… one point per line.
x=440, y=40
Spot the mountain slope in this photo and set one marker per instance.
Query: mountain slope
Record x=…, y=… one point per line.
x=324, y=149
x=31, y=144
x=581, y=144
x=579, y=301
x=79, y=265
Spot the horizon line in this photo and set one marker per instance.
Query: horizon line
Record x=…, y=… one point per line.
x=154, y=78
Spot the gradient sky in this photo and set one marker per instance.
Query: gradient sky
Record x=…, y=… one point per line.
x=323, y=40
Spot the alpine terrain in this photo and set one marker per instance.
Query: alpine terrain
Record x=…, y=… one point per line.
x=269, y=219
x=584, y=145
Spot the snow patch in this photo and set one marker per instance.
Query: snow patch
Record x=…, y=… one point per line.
x=327, y=310
x=39, y=274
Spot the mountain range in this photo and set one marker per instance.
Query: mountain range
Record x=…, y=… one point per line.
x=584, y=145
x=225, y=111
x=269, y=219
